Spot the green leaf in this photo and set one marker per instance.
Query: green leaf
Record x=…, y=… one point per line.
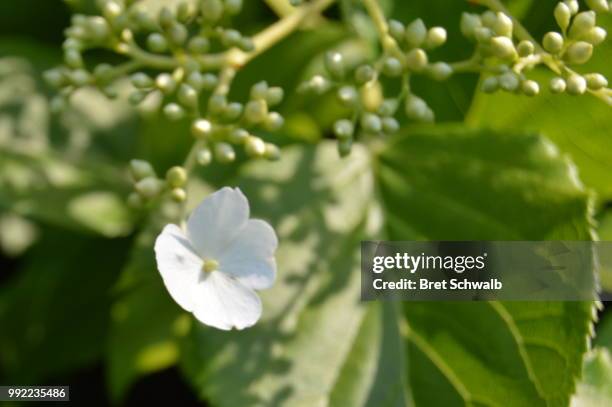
x=145, y=322
x=595, y=388
x=54, y=314
x=49, y=188
x=312, y=335
x=578, y=125
x=450, y=183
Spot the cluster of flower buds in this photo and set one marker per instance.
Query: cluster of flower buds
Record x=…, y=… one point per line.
x=173, y=58
x=230, y=124
x=508, y=59
x=360, y=91
x=147, y=186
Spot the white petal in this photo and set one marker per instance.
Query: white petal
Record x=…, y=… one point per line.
x=178, y=264
x=223, y=302
x=217, y=221
x=250, y=256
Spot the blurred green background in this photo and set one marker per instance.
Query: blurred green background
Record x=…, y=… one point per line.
x=81, y=302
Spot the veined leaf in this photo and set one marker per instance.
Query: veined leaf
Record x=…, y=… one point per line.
x=456, y=184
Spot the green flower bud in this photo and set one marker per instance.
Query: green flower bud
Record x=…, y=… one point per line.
x=141, y=80
x=364, y=73
x=112, y=9
x=142, y=20
x=212, y=10
x=256, y=111
x=469, y=23
x=509, y=81
x=246, y=44
x=80, y=77
x=165, y=83
x=230, y=38
x=553, y=42
x=530, y=88
x=318, y=84
x=55, y=78
x=596, y=81
x=503, y=25
x=390, y=125
x=415, y=34
x=345, y=146
x=371, y=123
x=201, y=128
x=73, y=58
x=174, y=112
x=98, y=29
x=177, y=34
x=595, y=36
x=582, y=24
x=272, y=152
x=388, y=107
x=140, y=169
x=371, y=96
x=102, y=73
x=137, y=97
x=343, y=129
x=135, y=201
x=232, y=111
x=416, y=60
x=178, y=194
x=176, y=177
x=224, y=153
x=348, y=96
x=274, y=95
x=209, y=81
x=576, y=85
x=148, y=187
x=579, y=52
x=598, y=6
x=396, y=29
x=273, y=122
x=490, y=84
x=198, y=45
x=392, y=67
x=436, y=36
x=233, y=7
x=259, y=90
x=334, y=64
x=238, y=136
x=572, y=5
x=217, y=104
x=489, y=18
x=440, y=71
x=526, y=47
x=185, y=11
x=483, y=35
x=204, y=156
x=503, y=48
x=157, y=43
x=187, y=96
x=254, y=146
x=557, y=85
x=562, y=15
x=417, y=109
x=166, y=18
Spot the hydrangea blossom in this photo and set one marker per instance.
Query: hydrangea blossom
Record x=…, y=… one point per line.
x=213, y=268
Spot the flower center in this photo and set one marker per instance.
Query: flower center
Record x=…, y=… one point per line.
x=210, y=265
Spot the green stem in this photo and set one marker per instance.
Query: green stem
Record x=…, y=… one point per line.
x=276, y=32
x=380, y=22
x=282, y=8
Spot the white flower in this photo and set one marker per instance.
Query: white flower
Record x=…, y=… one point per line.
x=213, y=268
